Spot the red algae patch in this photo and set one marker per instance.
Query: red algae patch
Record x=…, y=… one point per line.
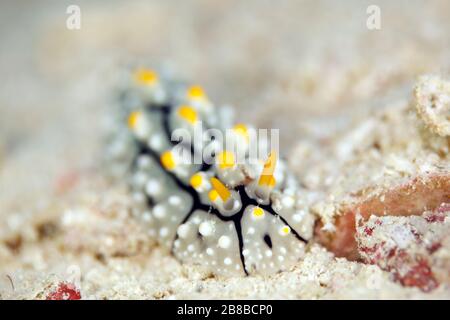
x=409, y=199
x=64, y=291
x=408, y=247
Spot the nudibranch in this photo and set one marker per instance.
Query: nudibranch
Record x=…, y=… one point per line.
x=228, y=212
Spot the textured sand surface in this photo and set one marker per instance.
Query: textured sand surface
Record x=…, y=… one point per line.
x=311, y=68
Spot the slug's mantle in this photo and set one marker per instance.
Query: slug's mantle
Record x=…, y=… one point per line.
x=228, y=216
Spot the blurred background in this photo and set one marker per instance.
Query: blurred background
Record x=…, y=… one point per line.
x=311, y=68
x=306, y=67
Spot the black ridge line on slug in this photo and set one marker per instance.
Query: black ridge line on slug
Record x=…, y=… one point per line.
x=196, y=202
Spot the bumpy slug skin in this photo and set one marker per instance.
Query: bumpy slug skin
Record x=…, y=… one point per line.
x=231, y=217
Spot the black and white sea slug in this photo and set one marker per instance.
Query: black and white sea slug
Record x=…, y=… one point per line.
x=229, y=216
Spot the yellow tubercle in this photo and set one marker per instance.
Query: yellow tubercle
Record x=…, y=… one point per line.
x=167, y=160
x=242, y=130
x=285, y=230
x=133, y=118
x=221, y=189
x=196, y=180
x=196, y=93
x=267, y=181
x=267, y=177
x=225, y=160
x=258, y=212
x=212, y=195
x=146, y=76
x=188, y=113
